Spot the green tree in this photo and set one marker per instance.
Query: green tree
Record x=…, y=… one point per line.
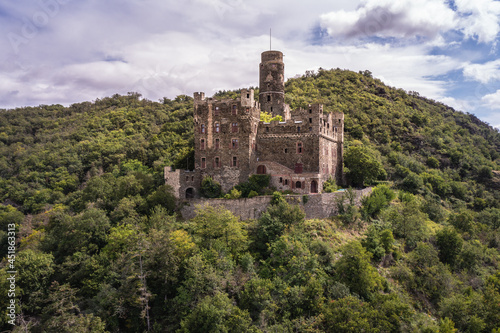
x=355, y=271
x=449, y=244
x=363, y=166
x=210, y=188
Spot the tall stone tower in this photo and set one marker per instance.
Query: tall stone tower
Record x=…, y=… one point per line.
x=271, y=83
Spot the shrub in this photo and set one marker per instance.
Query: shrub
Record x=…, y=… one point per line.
x=210, y=188
x=252, y=194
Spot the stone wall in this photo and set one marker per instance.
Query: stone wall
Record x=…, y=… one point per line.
x=321, y=205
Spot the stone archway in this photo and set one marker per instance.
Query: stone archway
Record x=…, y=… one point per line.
x=189, y=193
x=261, y=170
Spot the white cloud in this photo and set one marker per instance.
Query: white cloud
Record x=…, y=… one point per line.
x=387, y=18
x=483, y=73
x=480, y=19
x=492, y=101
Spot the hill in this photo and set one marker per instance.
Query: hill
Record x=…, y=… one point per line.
x=99, y=248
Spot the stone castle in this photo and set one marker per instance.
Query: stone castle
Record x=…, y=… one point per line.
x=300, y=153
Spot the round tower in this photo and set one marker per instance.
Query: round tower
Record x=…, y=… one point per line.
x=271, y=83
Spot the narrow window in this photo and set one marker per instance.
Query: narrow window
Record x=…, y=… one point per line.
x=271, y=109
x=234, y=128
x=286, y=150
x=286, y=181
x=310, y=120
x=217, y=127
x=217, y=162
x=281, y=179
x=267, y=129
x=235, y=144
x=248, y=95
x=187, y=178
x=202, y=129
x=203, y=163
x=192, y=178
x=235, y=111
x=310, y=129
x=217, y=143
x=268, y=98
x=299, y=147
x=235, y=161
x=310, y=111
x=217, y=111
x=298, y=129
x=202, y=144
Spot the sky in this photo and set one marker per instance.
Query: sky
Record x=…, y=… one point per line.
x=70, y=51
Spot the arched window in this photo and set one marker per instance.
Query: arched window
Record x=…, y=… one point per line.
x=203, y=163
x=217, y=127
x=189, y=193
x=217, y=143
x=261, y=170
x=202, y=129
x=217, y=162
x=298, y=184
x=216, y=111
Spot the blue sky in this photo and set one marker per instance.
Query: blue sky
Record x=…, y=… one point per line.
x=68, y=51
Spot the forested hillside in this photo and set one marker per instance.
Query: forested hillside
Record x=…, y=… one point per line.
x=99, y=247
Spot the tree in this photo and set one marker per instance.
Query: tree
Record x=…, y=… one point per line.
x=363, y=167
x=210, y=188
x=449, y=244
x=355, y=271
x=217, y=225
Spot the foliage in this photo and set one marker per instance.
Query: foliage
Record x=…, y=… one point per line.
x=210, y=188
x=267, y=117
x=329, y=185
x=98, y=248
x=363, y=166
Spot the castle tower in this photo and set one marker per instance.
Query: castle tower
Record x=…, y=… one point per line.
x=271, y=83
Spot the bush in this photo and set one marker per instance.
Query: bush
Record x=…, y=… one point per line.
x=330, y=185
x=210, y=188
x=252, y=194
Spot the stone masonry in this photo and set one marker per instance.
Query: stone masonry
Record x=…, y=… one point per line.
x=231, y=143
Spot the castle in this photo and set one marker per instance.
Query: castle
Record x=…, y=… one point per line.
x=300, y=153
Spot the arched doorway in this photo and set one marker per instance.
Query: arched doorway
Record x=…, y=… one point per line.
x=189, y=193
x=261, y=170
x=314, y=186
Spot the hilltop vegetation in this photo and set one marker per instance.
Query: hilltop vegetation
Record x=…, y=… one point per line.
x=99, y=247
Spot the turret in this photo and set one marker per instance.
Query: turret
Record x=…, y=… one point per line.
x=271, y=83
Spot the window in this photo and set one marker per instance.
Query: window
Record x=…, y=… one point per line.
x=235, y=161
x=234, y=128
x=286, y=182
x=271, y=109
x=247, y=110
x=268, y=98
x=217, y=143
x=217, y=111
x=281, y=179
x=310, y=110
x=286, y=150
x=217, y=162
x=234, y=144
x=267, y=129
x=310, y=129
x=234, y=110
x=217, y=127
x=310, y=120
x=298, y=185
x=298, y=129
x=192, y=178
x=248, y=96
x=202, y=129
x=203, y=163
x=299, y=147
x=202, y=144
x=187, y=178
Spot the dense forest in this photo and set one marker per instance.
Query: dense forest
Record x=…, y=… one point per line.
x=99, y=246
